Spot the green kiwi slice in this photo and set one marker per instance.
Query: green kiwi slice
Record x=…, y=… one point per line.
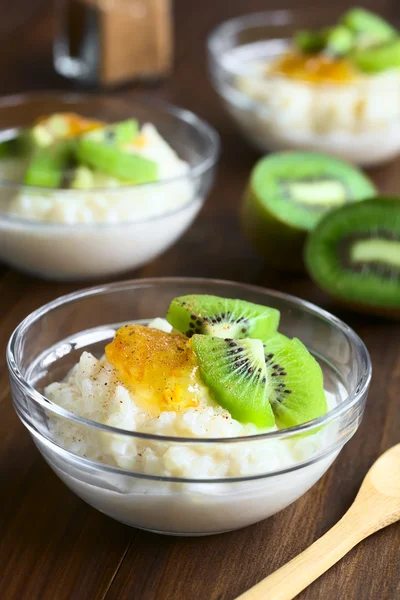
x=337, y=40
x=117, y=134
x=309, y=41
x=222, y=317
x=103, y=153
x=288, y=193
x=295, y=382
x=354, y=255
x=236, y=374
x=378, y=58
x=47, y=165
x=368, y=27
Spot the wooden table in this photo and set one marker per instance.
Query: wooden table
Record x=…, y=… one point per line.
x=55, y=547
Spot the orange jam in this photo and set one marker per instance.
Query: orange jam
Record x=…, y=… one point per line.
x=160, y=368
x=316, y=68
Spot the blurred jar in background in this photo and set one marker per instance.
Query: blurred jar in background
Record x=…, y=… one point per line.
x=111, y=42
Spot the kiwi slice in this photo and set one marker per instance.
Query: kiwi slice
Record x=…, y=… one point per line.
x=222, y=317
x=379, y=58
x=107, y=157
x=295, y=382
x=338, y=40
x=288, y=194
x=236, y=374
x=117, y=134
x=368, y=27
x=309, y=41
x=47, y=165
x=354, y=255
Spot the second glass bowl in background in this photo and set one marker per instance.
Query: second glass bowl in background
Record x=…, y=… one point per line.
x=96, y=249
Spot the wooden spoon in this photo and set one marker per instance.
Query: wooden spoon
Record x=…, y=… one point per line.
x=377, y=505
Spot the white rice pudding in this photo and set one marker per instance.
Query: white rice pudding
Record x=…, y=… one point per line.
x=92, y=390
x=358, y=121
x=64, y=234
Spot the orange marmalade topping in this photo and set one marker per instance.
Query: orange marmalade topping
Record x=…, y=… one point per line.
x=159, y=367
x=315, y=68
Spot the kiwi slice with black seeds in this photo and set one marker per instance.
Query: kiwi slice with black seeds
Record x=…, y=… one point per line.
x=354, y=255
x=222, y=317
x=235, y=372
x=288, y=193
x=295, y=382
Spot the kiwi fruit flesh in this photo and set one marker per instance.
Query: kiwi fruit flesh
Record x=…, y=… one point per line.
x=368, y=27
x=354, y=255
x=47, y=165
x=236, y=375
x=222, y=317
x=109, y=158
x=118, y=134
x=338, y=40
x=378, y=58
x=309, y=41
x=288, y=193
x=295, y=383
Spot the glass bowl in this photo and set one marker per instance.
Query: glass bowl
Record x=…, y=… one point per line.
x=156, y=214
x=183, y=486
x=357, y=121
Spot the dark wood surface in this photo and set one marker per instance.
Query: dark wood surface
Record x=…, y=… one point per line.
x=55, y=547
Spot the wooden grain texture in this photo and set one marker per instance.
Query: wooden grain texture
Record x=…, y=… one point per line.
x=376, y=506
x=52, y=545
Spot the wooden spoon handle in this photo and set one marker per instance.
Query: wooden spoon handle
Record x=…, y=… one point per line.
x=292, y=578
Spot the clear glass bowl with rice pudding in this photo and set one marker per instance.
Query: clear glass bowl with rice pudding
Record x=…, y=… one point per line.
x=102, y=228
x=207, y=475
x=283, y=100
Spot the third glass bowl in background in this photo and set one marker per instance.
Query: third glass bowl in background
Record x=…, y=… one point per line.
x=358, y=121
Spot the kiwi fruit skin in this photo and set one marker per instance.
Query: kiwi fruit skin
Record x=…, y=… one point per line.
x=280, y=244
x=279, y=241
x=222, y=317
x=369, y=294
x=236, y=375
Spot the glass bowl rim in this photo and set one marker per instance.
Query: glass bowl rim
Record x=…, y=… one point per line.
x=353, y=397
x=271, y=18
x=208, y=162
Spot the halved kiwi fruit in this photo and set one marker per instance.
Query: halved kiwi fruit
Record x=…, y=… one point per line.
x=288, y=193
x=222, y=317
x=354, y=255
x=236, y=374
